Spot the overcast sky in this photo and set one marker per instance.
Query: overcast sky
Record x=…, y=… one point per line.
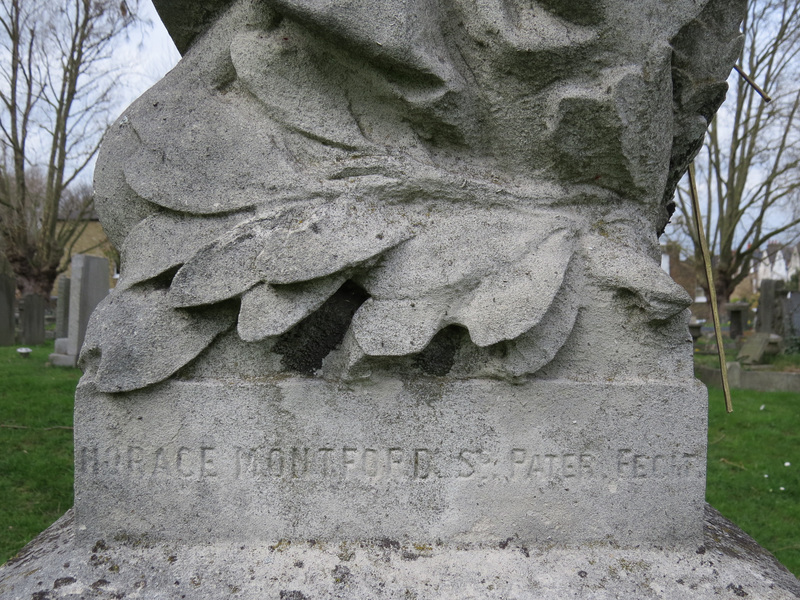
x=146, y=54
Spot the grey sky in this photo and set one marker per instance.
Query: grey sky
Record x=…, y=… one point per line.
x=146, y=54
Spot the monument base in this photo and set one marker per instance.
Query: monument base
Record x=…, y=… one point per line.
x=61, y=357
x=729, y=564
x=422, y=461
x=63, y=360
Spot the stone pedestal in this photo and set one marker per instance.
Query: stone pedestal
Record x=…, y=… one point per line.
x=425, y=461
x=725, y=564
x=297, y=488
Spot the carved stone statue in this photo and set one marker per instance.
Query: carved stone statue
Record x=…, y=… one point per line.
x=443, y=187
x=391, y=321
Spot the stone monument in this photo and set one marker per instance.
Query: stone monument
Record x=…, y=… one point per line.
x=391, y=321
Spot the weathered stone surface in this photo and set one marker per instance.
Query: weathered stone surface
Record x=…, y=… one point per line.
x=143, y=342
x=422, y=459
x=390, y=319
x=504, y=170
x=727, y=564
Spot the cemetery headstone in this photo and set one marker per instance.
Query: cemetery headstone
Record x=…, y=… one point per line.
x=737, y=315
x=390, y=320
x=8, y=288
x=754, y=348
x=793, y=310
x=771, y=310
x=87, y=288
x=62, y=307
x=31, y=316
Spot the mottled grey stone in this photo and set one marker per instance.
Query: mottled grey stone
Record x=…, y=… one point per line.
x=129, y=360
x=391, y=320
x=726, y=564
x=485, y=167
x=422, y=459
x=793, y=312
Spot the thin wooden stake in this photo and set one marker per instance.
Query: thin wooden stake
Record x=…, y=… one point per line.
x=712, y=292
x=753, y=84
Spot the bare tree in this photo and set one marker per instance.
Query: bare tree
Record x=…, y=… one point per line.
x=56, y=84
x=748, y=172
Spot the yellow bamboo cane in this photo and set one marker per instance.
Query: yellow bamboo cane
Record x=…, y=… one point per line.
x=712, y=292
x=753, y=84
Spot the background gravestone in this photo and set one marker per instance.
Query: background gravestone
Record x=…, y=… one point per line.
x=772, y=313
x=737, y=314
x=62, y=307
x=8, y=288
x=793, y=311
x=390, y=319
x=31, y=317
x=87, y=288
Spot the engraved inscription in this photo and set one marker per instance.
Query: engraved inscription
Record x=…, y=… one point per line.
x=347, y=462
x=517, y=465
x=182, y=462
x=528, y=465
x=632, y=465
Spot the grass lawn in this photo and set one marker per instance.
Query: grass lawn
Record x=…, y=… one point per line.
x=754, y=467
x=35, y=445
x=758, y=439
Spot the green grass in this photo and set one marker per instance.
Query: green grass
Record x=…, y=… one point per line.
x=777, y=362
x=712, y=360
x=35, y=445
x=36, y=462
x=747, y=452
x=784, y=362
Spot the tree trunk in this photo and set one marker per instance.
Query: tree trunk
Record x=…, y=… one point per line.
x=32, y=279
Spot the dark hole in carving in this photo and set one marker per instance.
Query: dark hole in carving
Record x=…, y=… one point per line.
x=582, y=12
x=163, y=280
x=305, y=345
x=439, y=355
